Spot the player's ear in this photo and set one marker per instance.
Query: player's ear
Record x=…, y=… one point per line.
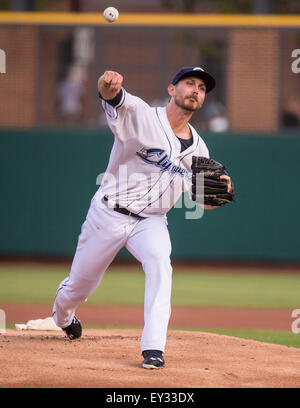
x=171, y=89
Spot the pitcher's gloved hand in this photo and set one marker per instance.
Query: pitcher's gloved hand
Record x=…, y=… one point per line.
x=218, y=187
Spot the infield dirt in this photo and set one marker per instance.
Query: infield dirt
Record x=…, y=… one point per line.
x=111, y=359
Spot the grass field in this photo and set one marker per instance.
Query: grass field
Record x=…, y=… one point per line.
x=268, y=336
x=125, y=286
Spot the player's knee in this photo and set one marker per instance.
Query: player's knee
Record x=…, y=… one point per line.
x=158, y=252
x=157, y=263
x=157, y=257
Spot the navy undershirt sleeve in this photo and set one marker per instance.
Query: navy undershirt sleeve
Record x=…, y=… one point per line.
x=115, y=101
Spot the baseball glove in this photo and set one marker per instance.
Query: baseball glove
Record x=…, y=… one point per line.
x=215, y=189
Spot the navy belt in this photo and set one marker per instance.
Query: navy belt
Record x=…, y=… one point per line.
x=121, y=210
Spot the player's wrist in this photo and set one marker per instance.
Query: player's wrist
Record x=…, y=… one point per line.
x=115, y=100
x=105, y=93
x=108, y=94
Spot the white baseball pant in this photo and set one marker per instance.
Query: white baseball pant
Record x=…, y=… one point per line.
x=103, y=234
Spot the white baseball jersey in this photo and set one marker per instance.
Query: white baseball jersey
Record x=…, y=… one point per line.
x=147, y=172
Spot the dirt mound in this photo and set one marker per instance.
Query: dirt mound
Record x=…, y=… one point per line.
x=111, y=359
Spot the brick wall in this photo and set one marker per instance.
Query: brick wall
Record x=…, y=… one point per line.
x=253, y=87
x=48, y=76
x=290, y=81
x=18, y=85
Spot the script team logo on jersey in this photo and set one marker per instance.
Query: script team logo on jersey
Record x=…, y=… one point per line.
x=159, y=158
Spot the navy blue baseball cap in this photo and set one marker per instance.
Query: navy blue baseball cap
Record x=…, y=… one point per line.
x=198, y=72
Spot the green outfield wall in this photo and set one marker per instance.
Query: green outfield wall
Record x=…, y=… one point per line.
x=49, y=176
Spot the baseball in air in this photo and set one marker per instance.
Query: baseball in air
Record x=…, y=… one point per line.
x=111, y=14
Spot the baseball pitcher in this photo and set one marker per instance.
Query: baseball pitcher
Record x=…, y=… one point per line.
x=156, y=156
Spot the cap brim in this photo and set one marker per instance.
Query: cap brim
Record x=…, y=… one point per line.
x=209, y=81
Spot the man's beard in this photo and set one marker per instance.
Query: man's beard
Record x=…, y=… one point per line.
x=187, y=106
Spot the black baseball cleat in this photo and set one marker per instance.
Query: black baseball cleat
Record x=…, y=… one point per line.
x=74, y=330
x=153, y=359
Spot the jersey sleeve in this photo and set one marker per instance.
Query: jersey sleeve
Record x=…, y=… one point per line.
x=112, y=106
x=122, y=113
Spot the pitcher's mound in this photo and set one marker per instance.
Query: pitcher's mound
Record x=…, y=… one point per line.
x=111, y=359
